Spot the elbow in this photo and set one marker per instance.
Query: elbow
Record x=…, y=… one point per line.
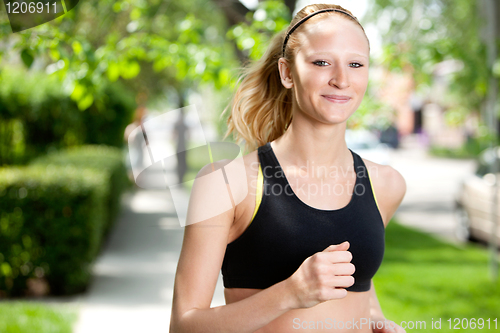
x=174, y=325
x=175, y=322
x=179, y=323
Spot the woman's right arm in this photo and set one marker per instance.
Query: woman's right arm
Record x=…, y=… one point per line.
x=201, y=259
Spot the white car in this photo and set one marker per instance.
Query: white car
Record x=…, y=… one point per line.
x=474, y=202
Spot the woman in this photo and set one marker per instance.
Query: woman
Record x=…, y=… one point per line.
x=300, y=250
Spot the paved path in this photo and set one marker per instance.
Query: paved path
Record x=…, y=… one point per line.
x=132, y=286
x=133, y=277
x=432, y=184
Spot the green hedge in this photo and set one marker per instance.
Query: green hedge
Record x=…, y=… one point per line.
x=108, y=160
x=54, y=216
x=51, y=225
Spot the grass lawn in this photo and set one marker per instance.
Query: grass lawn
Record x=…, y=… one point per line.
x=31, y=317
x=423, y=279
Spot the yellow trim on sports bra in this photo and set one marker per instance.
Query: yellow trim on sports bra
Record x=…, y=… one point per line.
x=260, y=181
x=210, y=153
x=258, y=194
x=373, y=191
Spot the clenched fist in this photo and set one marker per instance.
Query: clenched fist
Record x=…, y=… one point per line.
x=323, y=276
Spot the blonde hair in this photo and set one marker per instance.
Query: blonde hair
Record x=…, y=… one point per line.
x=261, y=108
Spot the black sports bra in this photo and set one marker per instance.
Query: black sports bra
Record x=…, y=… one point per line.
x=285, y=231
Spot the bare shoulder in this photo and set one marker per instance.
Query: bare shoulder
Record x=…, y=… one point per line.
x=249, y=162
x=239, y=176
x=387, y=178
x=389, y=187
x=252, y=161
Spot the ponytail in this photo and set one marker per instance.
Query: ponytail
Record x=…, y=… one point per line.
x=261, y=107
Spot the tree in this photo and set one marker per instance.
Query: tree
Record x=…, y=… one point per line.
x=172, y=43
x=418, y=34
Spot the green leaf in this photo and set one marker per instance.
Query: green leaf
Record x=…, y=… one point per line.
x=135, y=14
x=77, y=47
x=224, y=76
x=6, y=269
x=130, y=69
x=86, y=102
x=113, y=71
x=78, y=92
x=54, y=54
x=27, y=57
x=117, y=7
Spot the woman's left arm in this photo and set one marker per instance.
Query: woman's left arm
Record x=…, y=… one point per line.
x=390, y=189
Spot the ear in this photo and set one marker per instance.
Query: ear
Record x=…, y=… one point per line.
x=285, y=73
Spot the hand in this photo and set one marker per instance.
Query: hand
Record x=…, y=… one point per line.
x=388, y=326
x=322, y=276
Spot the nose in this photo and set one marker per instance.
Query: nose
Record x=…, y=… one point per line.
x=339, y=78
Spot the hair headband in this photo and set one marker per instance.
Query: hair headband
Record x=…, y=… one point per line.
x=296, y=25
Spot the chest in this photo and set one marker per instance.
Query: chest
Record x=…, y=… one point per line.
x=291, y=230
x=324, y=193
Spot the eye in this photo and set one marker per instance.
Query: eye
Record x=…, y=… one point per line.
x=358, y=64
x=320, y=62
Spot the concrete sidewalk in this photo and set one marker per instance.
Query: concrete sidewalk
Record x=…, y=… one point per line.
x=432, y=184
x=133, y=277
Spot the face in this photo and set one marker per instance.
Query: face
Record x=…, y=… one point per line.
x=330, y=75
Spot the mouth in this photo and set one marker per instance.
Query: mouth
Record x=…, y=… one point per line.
x=337, y=98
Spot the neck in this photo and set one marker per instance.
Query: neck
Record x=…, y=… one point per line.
x=305, y=142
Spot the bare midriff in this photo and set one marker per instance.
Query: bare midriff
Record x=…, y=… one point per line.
x=340, y=315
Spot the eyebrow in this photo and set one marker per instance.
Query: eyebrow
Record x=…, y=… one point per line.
x=328, y=53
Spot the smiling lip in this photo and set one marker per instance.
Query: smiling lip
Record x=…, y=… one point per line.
x=337, y=98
